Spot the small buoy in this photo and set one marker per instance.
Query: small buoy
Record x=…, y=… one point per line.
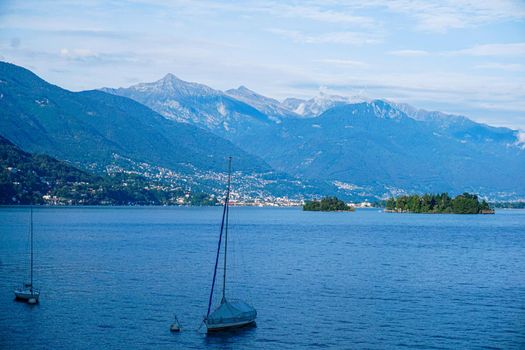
x=32, y=301
x=175, y=326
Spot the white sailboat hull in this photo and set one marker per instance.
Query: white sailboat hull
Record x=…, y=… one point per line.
x=27, y=295
x=226, y=326
x=230, y=315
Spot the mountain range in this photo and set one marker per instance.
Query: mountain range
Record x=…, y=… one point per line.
x=107, y=133
x=354, y=147
x=360, y=145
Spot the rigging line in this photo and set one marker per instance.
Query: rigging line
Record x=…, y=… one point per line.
x=31, y=232
x=226, y=230
x=232, y=240
x=220, y=238
x=23, y=258
x=225, y=251
x=232, y=262
x=217, y=258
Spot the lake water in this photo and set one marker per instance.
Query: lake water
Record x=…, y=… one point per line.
x=112, y=278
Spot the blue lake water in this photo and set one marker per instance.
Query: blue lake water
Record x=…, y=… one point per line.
x=113, y=278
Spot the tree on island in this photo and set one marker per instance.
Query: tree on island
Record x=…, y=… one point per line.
x=327, y=204
x=465, y=203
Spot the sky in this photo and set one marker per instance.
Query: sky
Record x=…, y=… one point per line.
x=464, y=56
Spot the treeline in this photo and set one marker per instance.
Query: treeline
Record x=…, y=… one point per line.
x=327, y=204
x=27, y=178
x=465, y=203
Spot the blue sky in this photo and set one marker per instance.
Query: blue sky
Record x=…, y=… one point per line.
x=462, y=56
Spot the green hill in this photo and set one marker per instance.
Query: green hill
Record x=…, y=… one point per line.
x=39, y=179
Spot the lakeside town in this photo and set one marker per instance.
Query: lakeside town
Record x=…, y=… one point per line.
x=286, y=202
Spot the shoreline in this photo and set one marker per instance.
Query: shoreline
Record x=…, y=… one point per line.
x=139, y=206
x=211, y=206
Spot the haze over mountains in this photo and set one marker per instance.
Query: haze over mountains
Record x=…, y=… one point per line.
x=352, y=147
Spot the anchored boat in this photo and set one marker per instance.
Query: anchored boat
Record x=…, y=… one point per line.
x=27, y=292
x=229, y=314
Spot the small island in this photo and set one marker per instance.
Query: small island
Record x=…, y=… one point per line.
x=327, y=204
x=465, y=203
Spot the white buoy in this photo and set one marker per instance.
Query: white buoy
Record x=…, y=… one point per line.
x=31, y=301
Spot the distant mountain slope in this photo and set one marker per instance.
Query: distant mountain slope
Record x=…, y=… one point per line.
x=269, y=106
x=374, y=144
x=196, y=104
x=90, y=128
x=460, y=127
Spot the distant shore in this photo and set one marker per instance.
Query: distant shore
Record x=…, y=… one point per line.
x=137, y=206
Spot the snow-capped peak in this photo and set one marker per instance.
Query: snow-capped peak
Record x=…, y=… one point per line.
x=320, y=103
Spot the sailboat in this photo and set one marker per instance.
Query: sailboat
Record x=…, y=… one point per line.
x=229, y=314
x=26, y=292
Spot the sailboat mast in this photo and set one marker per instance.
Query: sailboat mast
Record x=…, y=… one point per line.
x=226, y=230
x=31, y=234
x=220, y=238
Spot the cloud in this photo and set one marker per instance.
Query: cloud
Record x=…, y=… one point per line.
x=342, y=62
x=431, y=15
x=77, y=53
x=93, y=33
x=91, y=57
x=343, y=38
x=442, y=15
x=437, y=16
x=310, y=10
x=498, y=49
x=316, y=13
x=409, y=53
x=511, y=67
x=507, y=49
